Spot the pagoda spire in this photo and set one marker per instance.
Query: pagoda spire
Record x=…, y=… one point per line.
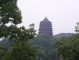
x=46, y=19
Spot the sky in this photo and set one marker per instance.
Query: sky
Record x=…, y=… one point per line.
x=64, y=14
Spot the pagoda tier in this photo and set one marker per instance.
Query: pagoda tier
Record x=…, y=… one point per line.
x=45, y=27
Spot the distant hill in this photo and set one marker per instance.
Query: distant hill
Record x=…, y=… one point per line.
x=6, y=43
x=60, y=35
x=44, y=45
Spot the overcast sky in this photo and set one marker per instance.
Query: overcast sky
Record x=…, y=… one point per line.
x=62, y=13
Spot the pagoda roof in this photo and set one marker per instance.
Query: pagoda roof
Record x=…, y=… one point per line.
x=45, y=20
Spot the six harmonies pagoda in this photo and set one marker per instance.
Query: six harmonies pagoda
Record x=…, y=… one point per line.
x=45, y=27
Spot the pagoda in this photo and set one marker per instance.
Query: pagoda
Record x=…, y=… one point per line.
x=45, y=27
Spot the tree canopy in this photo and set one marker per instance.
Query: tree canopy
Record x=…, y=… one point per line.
x=68, y=48
x=10, y=17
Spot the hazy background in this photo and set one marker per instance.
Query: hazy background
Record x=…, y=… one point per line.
x=62, y=13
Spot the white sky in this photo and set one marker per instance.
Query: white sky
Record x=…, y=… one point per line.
x=62, y=13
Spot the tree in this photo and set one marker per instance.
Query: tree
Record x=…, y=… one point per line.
x=21, y=49
x=2, y=52
x=45, y=47
x=9, y=14
x=77, y=27
x=10, y=17
x=68, y=48
x=20, y=52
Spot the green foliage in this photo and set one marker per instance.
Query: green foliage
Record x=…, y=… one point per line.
x=77, y=27
x=43, y=42
x=68, y=48
x=2, y=52
x=10, y=17
x=7, y=55
x=41, y=53
x=44, y=45
x=22, y=51
x=21, y=34
x=9, y=12
x=52, y=55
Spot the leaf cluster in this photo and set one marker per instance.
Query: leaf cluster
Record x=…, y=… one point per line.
x=68, y=48
x=77, y=27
